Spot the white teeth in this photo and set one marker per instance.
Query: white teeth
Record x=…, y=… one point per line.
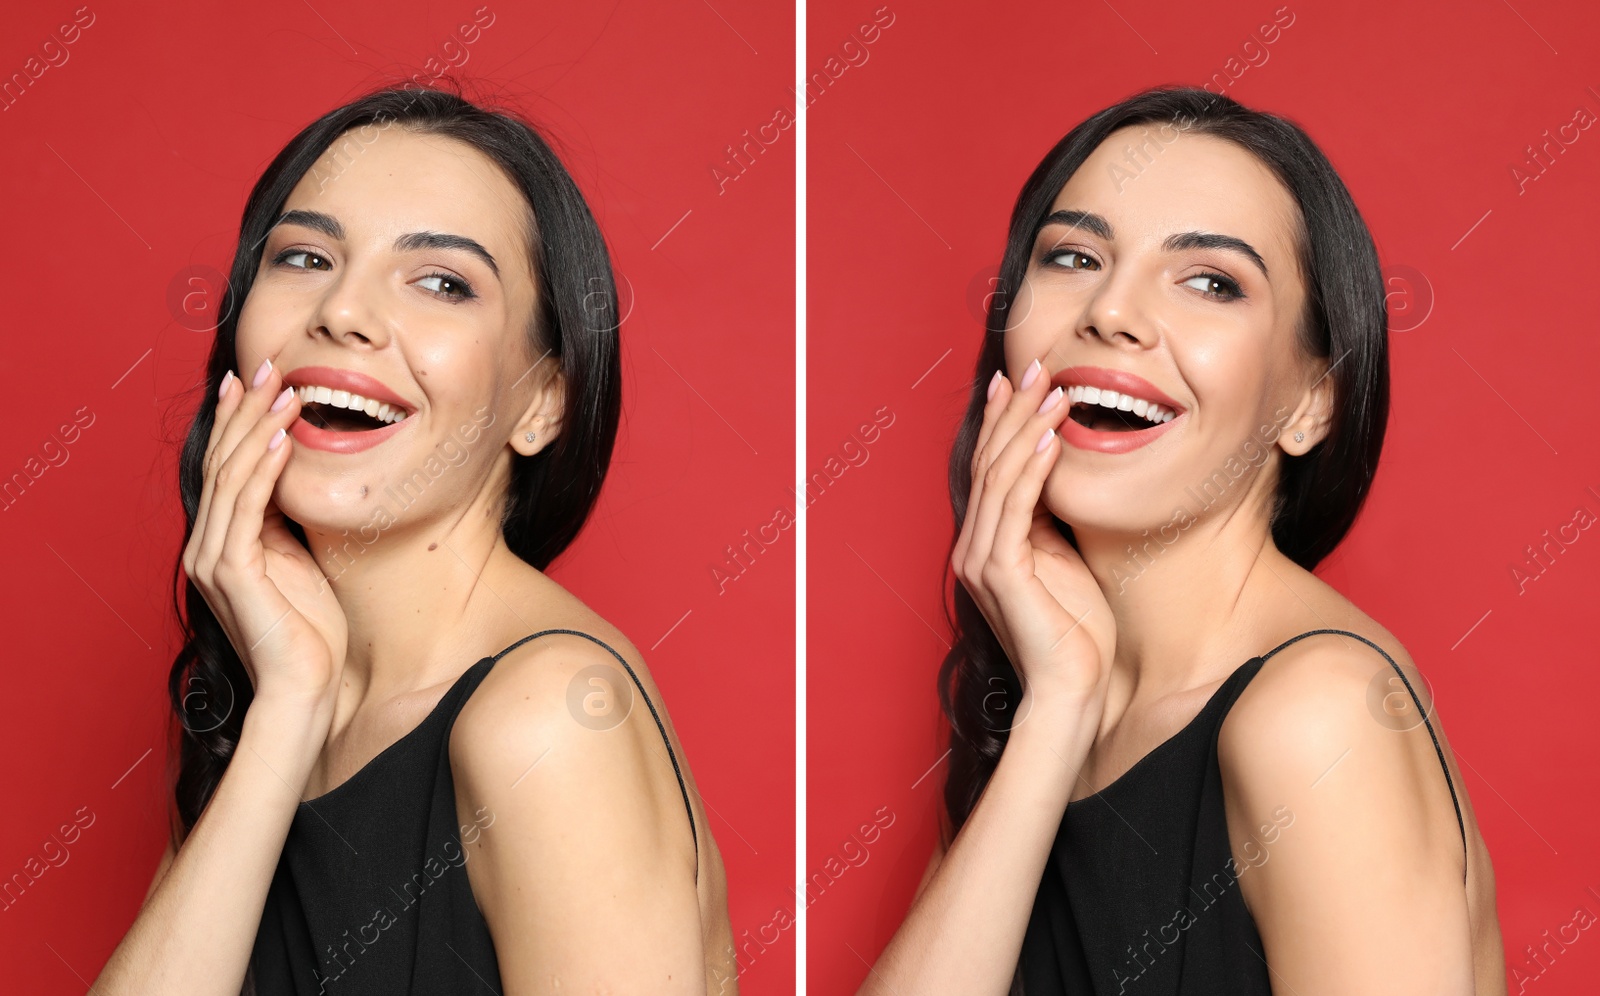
x=1120, y=402
x=379, y=410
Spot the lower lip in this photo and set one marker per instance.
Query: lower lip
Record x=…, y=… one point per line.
x=1085, y=438
x=317, y=438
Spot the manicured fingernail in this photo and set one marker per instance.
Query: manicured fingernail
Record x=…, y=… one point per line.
x=1050, y=400
x=1044, y=440
x=288, y=392
x=261, y=373
x=994, y=384
x=277, y=438
x=222, y=389
x=1031, y=375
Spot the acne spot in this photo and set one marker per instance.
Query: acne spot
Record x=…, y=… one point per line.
x=363, y=490
x=433, y=546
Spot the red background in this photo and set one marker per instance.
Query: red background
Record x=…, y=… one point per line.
x=914, y=160
x=131, y=161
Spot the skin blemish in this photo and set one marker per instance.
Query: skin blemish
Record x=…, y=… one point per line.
x=363, y=490
x=433, y=546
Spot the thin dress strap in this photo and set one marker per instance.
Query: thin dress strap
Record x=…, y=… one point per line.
x=694, y=834
x=1437, y=749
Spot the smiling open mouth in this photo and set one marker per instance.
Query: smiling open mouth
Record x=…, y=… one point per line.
x=1102, y=420
x=341, y=411
x=1109, y=411
x=339, y=419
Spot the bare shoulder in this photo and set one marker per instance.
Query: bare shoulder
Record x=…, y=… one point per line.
x=1321, y=696
x=581, y=696
x=572, y=676
x=1329, y=727
x=1342, y=823
x=1306, y=671
x=562, y=715
x=583, y=836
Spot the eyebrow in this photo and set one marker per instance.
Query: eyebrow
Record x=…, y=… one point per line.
x=1178, y=242
x=328, y=225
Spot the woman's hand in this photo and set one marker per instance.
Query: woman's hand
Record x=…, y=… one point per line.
x=268, y=593
x=1030, y=584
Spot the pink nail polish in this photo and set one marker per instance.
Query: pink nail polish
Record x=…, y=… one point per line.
x=288, y=392
x=1044, y=440
x=994, y=384
x=222, y=389
x=1050, y=401
x=1032, y=375
x=261, y=373
x=276, y=440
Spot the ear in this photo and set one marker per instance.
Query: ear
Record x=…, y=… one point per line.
x=1312, y=416
x=542, y=417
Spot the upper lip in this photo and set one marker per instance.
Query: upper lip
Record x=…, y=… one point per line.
x=347, y=380
x=1115, y=380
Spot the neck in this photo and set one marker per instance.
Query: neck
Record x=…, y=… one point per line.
x=1188, y=602
x=419, y=595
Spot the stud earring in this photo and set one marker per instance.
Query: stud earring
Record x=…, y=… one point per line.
x=528, y=437
x=1299, y=437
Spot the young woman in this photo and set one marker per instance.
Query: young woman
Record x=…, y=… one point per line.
x=1177, y=416
x=411, y=762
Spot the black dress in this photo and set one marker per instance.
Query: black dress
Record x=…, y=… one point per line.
x=1140, y=895
x=371, y=894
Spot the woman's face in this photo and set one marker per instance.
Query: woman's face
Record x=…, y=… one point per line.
x=380, y=283
x=1119, y=290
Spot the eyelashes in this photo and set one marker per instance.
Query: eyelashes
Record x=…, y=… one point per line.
x=462, y=290
x=1231, y=291
x=283, y=257
x=465, y=288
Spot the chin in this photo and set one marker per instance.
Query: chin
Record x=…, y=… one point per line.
x=326, y=506
x=1107, y=505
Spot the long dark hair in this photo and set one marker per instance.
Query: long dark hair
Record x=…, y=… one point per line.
x=1319, y=493
x=551, y=493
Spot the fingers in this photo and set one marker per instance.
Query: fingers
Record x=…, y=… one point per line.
x=243, y=557
x=1001, y=477
x=1000, y=395
x=1018, y=510
x=1004, y=411
x=227, y=400
x=242, y=544
x=244, y=404
x=1007, y=416
x=242, y=446
x=1000, y=392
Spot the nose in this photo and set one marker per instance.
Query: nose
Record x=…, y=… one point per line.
x=1119, y=310
x=348, y=311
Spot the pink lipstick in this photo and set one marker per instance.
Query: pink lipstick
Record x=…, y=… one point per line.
x=1134, y=400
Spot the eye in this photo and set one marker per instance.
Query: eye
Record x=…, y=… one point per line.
x=1049, y=257
x=458, y=289
x=288, y=254
x=1231, y=291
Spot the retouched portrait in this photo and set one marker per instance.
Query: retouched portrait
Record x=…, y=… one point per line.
x=1183, y=635
x=377, y=542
